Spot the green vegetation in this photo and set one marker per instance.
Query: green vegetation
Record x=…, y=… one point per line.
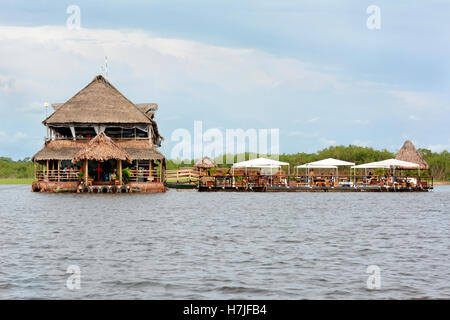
x=126, y=175
x=16, y=181
x=16, y=169
x=22, y=171
x=439, y=164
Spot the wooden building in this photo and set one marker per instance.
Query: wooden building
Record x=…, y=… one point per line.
x=97, y=137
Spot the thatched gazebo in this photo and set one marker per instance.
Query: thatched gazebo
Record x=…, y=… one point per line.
x=101, y=148
x=409, y=153
x=205, y=163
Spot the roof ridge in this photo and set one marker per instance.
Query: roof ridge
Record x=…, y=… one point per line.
x=127, y=103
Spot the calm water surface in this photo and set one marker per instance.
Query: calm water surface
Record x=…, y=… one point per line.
x=193, y=245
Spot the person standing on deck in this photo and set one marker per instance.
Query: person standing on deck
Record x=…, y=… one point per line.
x=311, y=177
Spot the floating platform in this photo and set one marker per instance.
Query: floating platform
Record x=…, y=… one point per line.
x=312, y=189
x=76, y=187
x=178, y=185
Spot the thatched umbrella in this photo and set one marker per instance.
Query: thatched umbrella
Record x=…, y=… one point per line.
x=101, y=148
x=205, y=163
x=409, y=153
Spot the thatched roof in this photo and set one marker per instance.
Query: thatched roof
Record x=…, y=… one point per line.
x=67, y=149
x=57, y=151
x=144, y=154
x=101, y=148
x=409, y=153
x=98, y=102
x=147, y=107
x=56, y=106
x=205, y=163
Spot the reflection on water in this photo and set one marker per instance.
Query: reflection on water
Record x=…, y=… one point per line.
x=224, y=245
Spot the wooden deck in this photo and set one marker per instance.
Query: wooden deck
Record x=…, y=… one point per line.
x=314, y=184
x=311, y=189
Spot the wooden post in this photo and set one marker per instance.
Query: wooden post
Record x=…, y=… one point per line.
x=59, y=168
x=120, y=172
x=137, y=170
x=46, y=172
x=47, y=132
x=34, y=165
x=149, y=133
x=152, y=166
x=135, y=133
x=85, y=172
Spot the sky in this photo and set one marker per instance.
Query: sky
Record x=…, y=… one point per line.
x=312, y=69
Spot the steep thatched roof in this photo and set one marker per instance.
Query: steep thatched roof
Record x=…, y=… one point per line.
x=56, y=106
x=409, y=153
x=101, y=148
x=205, y=163
x=98, y=102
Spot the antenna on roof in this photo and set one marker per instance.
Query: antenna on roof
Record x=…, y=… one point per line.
x=105, y=68
x=106, y=65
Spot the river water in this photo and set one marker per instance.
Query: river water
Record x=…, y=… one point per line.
x=190, y=245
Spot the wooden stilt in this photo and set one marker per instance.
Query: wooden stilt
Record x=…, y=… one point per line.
x=46, y=171
x=120, y=171
x=151, y=167
x=85, y=172
x=59, y=169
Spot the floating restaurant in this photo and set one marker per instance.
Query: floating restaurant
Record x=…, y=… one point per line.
x=99, y=141
x=402, y=174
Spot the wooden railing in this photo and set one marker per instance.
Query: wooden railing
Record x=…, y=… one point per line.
x=317, y=181
x=141, y=175
x=181, y=176
x=57, y=175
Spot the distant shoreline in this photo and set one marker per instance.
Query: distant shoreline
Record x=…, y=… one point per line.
x=441, y=182
x=16, y=180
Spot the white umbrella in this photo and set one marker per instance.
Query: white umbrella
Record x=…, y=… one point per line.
x=326, y=163
x=386, y=164
x=260, y=163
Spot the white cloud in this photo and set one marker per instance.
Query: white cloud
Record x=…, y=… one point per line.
x=296, y=133
x=361, y=122
x=328, y=142
x=58, y=51
x=439, y=147
x=19, y=136
x=313, y=119
x=415, y=99
x=7, y=83
x=361, y=143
